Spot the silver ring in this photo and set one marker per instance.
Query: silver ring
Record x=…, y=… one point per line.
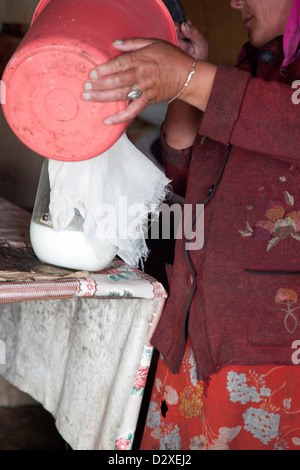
x=134, y=94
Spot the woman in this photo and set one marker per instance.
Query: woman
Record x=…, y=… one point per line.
x=230, y=141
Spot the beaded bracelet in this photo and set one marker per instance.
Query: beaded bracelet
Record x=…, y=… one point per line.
x=192, y=71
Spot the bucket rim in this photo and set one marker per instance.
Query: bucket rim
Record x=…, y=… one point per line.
x=40, y=7
x=173, y=7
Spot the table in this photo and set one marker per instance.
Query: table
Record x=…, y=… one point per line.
x=79, y=344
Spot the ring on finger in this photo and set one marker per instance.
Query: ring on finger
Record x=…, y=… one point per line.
x=134, y=94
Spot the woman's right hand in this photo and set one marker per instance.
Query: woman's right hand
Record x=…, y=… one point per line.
x=182, y=120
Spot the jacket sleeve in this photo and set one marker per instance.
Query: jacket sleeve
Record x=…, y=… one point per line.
x=176, y=165
x=253, y=114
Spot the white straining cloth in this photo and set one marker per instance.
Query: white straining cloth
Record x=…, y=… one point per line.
x=115, y=193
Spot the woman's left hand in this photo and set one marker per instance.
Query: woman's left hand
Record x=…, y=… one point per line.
x=182, y=120
x=156, y=68
x=197, y=45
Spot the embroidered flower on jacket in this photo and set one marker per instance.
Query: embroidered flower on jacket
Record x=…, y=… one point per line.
x=283, y=228
x=284, y=295
x=263, y=230
x=295, y=215
x=274, y=210
x=289, y=298
x=279, y=223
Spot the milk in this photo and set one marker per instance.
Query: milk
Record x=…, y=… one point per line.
x=69, y=249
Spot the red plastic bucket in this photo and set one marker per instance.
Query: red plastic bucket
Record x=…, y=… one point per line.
x=44, y=78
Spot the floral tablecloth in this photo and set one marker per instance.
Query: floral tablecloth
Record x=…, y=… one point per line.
x=79, y=346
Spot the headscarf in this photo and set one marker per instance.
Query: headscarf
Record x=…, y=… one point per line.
x=291, y=38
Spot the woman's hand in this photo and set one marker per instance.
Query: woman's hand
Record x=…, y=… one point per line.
x=182, y=119
x=156, y=68
x=192, y=41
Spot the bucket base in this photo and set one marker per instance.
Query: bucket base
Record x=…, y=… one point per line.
x=44, y=78
x=53, y=87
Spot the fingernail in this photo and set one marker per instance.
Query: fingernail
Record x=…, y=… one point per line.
x=93, y=74
x=117, y=42
x=86, y=96
x=107, y=121
x=187, y=27
x=87, y=86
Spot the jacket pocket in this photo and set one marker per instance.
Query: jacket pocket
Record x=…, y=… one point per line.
x=273, y=303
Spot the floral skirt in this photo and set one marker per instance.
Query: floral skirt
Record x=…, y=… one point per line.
x=243, y=408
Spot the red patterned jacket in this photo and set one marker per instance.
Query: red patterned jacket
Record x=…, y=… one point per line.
x=238, y=297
